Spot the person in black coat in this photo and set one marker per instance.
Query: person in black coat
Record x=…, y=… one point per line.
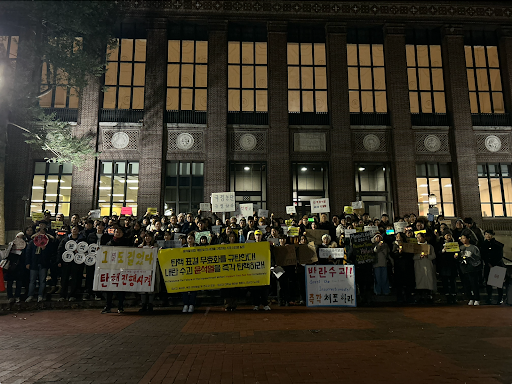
x=70, y=270
x=15, y=272
x=492, y=254
x=38, y=260
x=447, y=267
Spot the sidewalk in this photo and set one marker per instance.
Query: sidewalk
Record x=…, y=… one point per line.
x=438, y=344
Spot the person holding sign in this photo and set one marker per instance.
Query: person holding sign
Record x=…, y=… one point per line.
x=189, y=298
x=70, y=270
x=380, y=266
x=259, y=294
x=403, y=269
x=424, y=269
x=447, y=267
x=326, y=243
x=492, y=254
x=470, y=265
x=38, y=260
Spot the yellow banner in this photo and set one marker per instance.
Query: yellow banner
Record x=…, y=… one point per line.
x=36, y=216
x=348, y=210
x=452, y=247
x=57, y=224
x=293, y=231
x=152, y=211
x=215, y=266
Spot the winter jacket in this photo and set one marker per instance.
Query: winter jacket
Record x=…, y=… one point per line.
x=469, y=258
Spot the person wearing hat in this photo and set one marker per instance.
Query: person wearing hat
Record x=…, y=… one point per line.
x=13, y=268
x=492, y=255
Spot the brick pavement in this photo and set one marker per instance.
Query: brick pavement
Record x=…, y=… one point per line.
x=286, y=345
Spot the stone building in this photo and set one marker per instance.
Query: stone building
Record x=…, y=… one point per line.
x=286, y=101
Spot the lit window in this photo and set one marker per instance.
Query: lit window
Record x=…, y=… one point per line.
x=495, y=185
x=51, y=187
x=435, y=178
x=184, y=186
x=118, y=187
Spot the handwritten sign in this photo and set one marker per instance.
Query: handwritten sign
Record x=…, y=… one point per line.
x=349, y=232
x=152, y=211
x=217, y=229
x=223, y=202
x=433, y=211
x=57, y=224
x=262, y=212
x=246, y=209
x=362, y=247
x=127, y=211
x=293, y=231
x=125, y=269
x=285, y=256
x=290, y=209
x=330, y=286
x=204, y=207
x=201, y=234
x=320, y=205
x=400, y=226
x=452, y=247
x=372, y=229
x=496, y=276
x=36, y=216
x=357, y=204
x=348, y=210
x=335, y=253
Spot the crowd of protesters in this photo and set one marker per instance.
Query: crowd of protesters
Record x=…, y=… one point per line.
x=39, y=271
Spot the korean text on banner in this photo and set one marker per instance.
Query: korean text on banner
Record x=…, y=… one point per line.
x=125, y=269
x=223, y=202
x=400, y=226
x=204, y=207
x=290, y=209
x=262, y=212
x=320, y=205
x=330, y=286
x=215, y=266
x=452, y=247
x=357, y=204
x=246, y=210
x=335, y=253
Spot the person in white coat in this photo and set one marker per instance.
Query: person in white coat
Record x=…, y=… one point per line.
x=424, y=270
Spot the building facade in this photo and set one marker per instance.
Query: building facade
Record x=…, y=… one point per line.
x=282, y=102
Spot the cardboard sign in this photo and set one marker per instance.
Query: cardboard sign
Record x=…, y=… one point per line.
x=315, y=235
x=348, y=210
x=357, y=205
x=330, y=286
x=400, y=226
x=452, y=247
x=95, y=214
x=223, y=202
x=416, y=248
x=496, y=277
x=335, y=253
x=373, y=229
x=349, y=232
x=358, y=211
x=293, y=231
x=204, y=207
x=433, y=211
x=37, y=216
x=320, y=205
x=246, y=209
x=290, y=209
x=285, y=255
x=412, y=240
x=57, y=224
x=362, y=247
x=262, y=212
x=152, y=211
x=127, y=211
x=307, y=253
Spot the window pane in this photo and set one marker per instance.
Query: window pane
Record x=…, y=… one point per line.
x=187, y=51
x=507, y=191
x=422, y=187
x=248, y=100
x=306, y=54
x=321, y=101
x=352, y=54
x=353, y=78
x=498, y=210
x=186, y=99
x=473, y=102
x=439, y=102
x=497, y=99
x=233, y=52
x=492, y=56
x=422, y=54
x=234, y=76
x=140, y=50
x=201, y=100
x=247, y=76
x=354, y=101
x=138, y=98
x=471, y=79
x=413, y=100
x=469, y=56
x=320, y=78
x=307, y=78
x=201, y=52
x=320, y=54
x=379, y=78
x=124, y=98
x=495, y=79
x=364, y=55
x=424, y=79
x=261, y=101
x=437, y=79
x=172, y=103
x=485, y=102
x=366, y=78
x=435, y=56
x=411, y=55
x=307, y=101
x=187, y=75
x=293, y=54
x=479, y=53
x=381, y=105
x=261, y=53
x=486, y=210
x=247, y=53
x=411, y=75
x=293, y=78
x=126, y=49
x=426, y=102
x=482, y=81
x=367, y=101
x=448, y=210
x=447, y=190
x=261, y=77
x=233, y=100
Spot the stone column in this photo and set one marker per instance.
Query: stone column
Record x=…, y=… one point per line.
x=462, y=138
x=216, y=167
x=404, y=169
x=341, y=168
x=279, y=189
x=153, y=141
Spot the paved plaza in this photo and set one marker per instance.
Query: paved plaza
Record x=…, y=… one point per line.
x=440, y=344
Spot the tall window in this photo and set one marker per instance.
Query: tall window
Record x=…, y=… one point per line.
x=425, y=72
x=125, y=76
x=51, y=187
x=119, y=186
x=247, y=73
x=249, y=182
x=307, y=71
x=9, y=48
x=366, y=74
x=59, y=94
x=310, y=181
x=483, y=71
x=495, y=184
x=435, y=178
x=184, y=186
x=373, y=187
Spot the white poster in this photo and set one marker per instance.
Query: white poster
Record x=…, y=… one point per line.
x=290, y=209
x=330, y=286
x=263, y=213
x=320, y=206
x=95, y=214
x=373, y=229
x=125, y=269
x=349, y=232
x=496, y=277
x=400, y=226
x=223, y=202
x=204, y=207
x=246, y=210
x=357, y=204
x=335, y=253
